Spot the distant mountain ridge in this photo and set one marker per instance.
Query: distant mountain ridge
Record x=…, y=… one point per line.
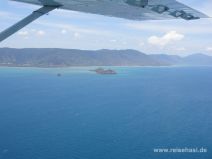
x=72, y=57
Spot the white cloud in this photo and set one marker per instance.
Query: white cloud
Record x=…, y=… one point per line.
x=63, y=31
x=181, y=49
x=192, y=27
x=113, y=40
x=40, y=33
x=209, y=49
x=23, y=33
x=76, y=35
x=165, y=39
x=75, y=28
x=31, y=32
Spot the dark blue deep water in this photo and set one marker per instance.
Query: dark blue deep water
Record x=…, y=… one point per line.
x=81, y=115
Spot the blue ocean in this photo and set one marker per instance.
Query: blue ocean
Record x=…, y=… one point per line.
x=83, y=115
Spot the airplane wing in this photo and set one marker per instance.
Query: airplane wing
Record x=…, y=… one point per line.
x=127, y=9
x=138, y=9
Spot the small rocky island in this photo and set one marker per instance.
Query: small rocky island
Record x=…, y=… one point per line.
x=102, y=71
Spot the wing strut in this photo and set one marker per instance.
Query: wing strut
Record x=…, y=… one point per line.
x=18, y=26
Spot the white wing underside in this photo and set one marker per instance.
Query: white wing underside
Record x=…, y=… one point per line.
x=126, y=11
x=120, y=9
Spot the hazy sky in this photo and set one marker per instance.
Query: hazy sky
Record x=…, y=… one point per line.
x=68, y=29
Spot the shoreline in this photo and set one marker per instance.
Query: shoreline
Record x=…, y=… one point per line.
x=72, y=67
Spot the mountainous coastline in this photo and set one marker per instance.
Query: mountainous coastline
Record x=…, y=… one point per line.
x=72, y=57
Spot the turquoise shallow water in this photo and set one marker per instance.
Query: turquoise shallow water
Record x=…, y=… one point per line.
x=81, y=115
